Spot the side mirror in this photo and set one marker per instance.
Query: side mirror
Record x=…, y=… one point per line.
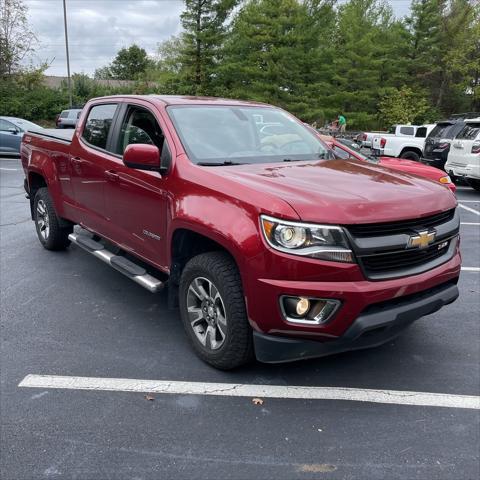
x=142, y=156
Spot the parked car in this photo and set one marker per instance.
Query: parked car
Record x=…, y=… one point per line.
x=343, y=149
x=68, y=118
x=403, y=146
x=464, y=156
x=437, y=144
x=270, y=246
x=11, y=132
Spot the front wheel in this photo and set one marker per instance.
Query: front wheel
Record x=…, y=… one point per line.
x=49, y=230
x=213, y=311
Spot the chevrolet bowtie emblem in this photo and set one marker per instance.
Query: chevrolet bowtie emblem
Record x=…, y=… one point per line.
x=421, y=240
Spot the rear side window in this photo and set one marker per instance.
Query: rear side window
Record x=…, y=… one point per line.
x=98, y=124
x=407, y=130
x=64, y=114
x=454, y=130
x=470, y=131
x=421, y=132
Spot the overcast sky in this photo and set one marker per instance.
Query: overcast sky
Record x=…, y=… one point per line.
x=99, y=28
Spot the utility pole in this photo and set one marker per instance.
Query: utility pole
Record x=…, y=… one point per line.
x=68, y=56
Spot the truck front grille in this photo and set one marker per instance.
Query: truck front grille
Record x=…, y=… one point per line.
x=399, y=260
x=402, y=226
x=382, y=249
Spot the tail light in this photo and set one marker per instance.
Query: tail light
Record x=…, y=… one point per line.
x=383, y=142
x=364, y=137
x=443, y=146
x=476, y=148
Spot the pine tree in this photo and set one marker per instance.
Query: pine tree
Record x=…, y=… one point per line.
x=268, y=55
x=204, y=24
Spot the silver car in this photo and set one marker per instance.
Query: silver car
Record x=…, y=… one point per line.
x=11, y=133
x=68, y=118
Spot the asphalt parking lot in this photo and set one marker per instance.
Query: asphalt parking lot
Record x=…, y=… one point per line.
x=68, y=314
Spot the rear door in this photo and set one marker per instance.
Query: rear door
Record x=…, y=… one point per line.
x=90, y=160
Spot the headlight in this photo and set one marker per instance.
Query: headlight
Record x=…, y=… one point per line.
x=445, y=179
x=326, y=242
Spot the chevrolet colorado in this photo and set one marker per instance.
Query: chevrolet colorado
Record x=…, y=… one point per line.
x=270, y=246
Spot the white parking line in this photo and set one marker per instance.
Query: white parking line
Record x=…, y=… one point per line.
x=469, y=223
x=10, y=169
x=469, y=209
x=471, y=269
x=469, y=201
x=241, y=390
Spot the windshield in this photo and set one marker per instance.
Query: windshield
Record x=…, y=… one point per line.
x=25, y=124
x=229, y=134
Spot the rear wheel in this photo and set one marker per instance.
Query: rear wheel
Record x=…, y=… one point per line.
x=49, y=230
x=410, y=155
x=213, y=311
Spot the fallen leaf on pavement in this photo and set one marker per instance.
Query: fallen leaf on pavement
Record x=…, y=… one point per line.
x=149, y=398
x=257, y=401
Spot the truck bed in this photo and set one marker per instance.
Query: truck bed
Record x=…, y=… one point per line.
x=55, y=134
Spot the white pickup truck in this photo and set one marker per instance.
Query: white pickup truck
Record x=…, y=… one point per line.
x=407, y=142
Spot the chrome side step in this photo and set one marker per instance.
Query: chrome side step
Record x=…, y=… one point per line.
x=135, y=272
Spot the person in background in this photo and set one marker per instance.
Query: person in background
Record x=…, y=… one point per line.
x=342, y=123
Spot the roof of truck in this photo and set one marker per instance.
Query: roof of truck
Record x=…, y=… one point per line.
x=188, y=100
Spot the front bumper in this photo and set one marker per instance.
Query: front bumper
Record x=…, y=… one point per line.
x=376, y=325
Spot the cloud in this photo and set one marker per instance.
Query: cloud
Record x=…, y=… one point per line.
x=97, y=29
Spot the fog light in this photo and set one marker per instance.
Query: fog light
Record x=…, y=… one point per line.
x=303, y=305
x=308, y=311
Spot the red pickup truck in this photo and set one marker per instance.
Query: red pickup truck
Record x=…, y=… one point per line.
x=270, y=245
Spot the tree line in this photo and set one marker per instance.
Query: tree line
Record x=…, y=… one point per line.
x=316, y=58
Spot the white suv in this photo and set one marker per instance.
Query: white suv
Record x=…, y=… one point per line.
x=464, y=156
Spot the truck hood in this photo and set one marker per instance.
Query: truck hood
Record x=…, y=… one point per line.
x=344, y=191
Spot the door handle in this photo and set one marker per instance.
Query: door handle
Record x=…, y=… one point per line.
x=112, y=176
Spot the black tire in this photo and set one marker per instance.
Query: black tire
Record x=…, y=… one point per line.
x=410, y=155
x=47, y=223
x=219, y=269
x=474, y=183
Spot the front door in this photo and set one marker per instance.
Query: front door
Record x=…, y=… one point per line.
x=137, y=203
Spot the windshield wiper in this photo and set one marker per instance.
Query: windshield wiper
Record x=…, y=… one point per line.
x=216, y=164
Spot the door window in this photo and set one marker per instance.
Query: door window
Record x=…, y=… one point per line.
x=139, y=126
x=98, y=124
x=4, y=125
x=407, y=130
